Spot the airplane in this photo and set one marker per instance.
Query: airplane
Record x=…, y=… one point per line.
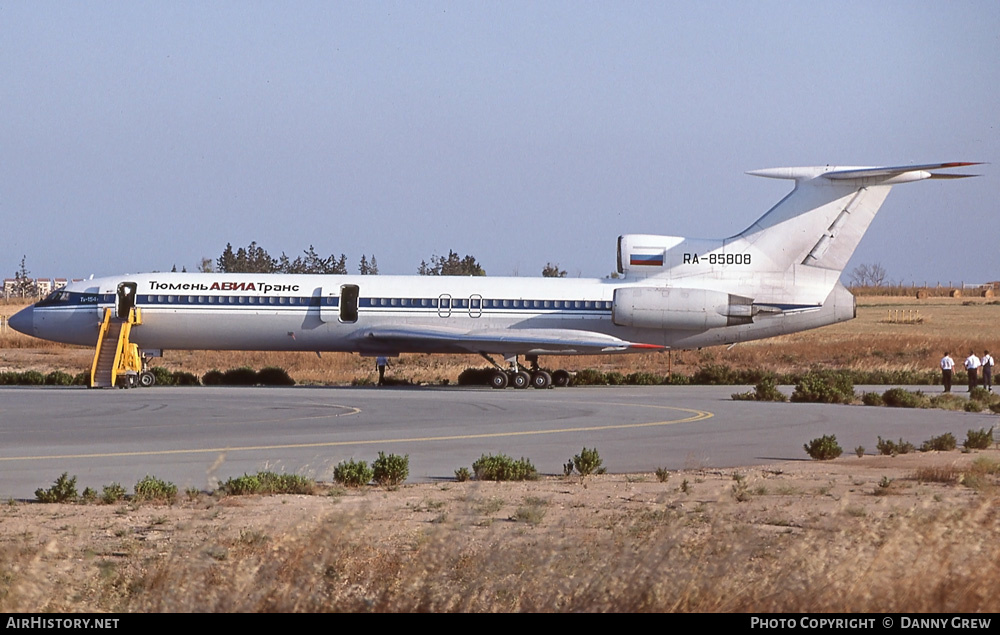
x=780, y=275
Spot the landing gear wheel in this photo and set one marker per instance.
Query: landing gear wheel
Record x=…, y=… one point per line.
x=146, y=379
x=560, y=379
x=499, y=380
x=540, y=379
x=520, y=379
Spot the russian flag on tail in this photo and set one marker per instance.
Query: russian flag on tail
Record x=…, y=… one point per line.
x=650, y=260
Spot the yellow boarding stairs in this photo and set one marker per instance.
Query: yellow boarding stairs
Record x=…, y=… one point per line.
x=117, y=361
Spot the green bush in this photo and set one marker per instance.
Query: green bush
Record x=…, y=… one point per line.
x=981, y=394
x=62, y=491
x=589, y=377
x=181, y=378
x=500, y=467
x=823, y=448
x=163, y=376
x=715, y=374
x=872, y=399
x=942, y=443
x=267, y=482
x=89, y=496
x=614, y=378
x=645, y=379
x=32, y=378
x=978, y=439
x=948, y=401
x=274, y=376
x=390, y=470
x=532, y=512
x=662, y=474
x=824, y=387
x=462, y=474
x=900, y=377
x=891, y=448
x=273, y=483
x=588, y=462
x=720, y=374
x=58, y=378
x=765, y=390
x=150, y=488
x=243, y=376
x=112, y=493
x=900, y=398
x=973, y=406
x=352, y=473
x=241, y=485
x=212, y=378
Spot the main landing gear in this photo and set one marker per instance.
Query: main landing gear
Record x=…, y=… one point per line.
x=520, y=378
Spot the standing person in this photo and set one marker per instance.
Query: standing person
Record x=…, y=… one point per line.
x=380, y=363
x=987, y=363
x=947, y=364
x=972, y=365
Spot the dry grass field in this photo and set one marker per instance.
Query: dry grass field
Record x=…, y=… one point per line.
x=911, y=533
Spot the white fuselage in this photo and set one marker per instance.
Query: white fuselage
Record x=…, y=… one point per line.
x=305, y=313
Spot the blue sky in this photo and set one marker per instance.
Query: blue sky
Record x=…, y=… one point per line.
x=139, y=135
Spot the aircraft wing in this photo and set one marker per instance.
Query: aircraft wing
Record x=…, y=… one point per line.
x=498, y=341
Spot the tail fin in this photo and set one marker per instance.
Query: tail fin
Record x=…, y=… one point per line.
x=813, y=231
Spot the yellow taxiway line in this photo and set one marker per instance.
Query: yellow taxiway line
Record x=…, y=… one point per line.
x=694, y=415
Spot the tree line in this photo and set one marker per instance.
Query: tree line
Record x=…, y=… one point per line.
x=254, y=259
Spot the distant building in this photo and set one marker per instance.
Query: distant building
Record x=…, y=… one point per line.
x=43, y=287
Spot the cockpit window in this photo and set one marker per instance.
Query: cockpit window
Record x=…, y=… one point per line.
x=59, y=296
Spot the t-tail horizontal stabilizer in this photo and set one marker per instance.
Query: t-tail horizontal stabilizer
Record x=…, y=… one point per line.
x=882, y=175
x=807, y=239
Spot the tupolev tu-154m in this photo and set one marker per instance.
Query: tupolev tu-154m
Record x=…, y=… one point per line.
x=780, y=275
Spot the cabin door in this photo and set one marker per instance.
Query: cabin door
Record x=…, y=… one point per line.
x=125, y=299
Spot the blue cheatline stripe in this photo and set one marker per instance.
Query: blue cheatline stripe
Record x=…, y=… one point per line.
x=78, y=300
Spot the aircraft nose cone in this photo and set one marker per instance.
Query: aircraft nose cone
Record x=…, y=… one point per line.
x=23, y=321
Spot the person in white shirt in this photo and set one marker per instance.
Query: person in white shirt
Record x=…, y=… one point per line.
x=947, y=364
x=987, y=365
x=380, y=363
x=972, y=366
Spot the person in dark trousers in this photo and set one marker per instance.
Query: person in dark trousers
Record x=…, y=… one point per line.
x=972, y=367
x=947, y=364
x=380, y=364
x=986, y=363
